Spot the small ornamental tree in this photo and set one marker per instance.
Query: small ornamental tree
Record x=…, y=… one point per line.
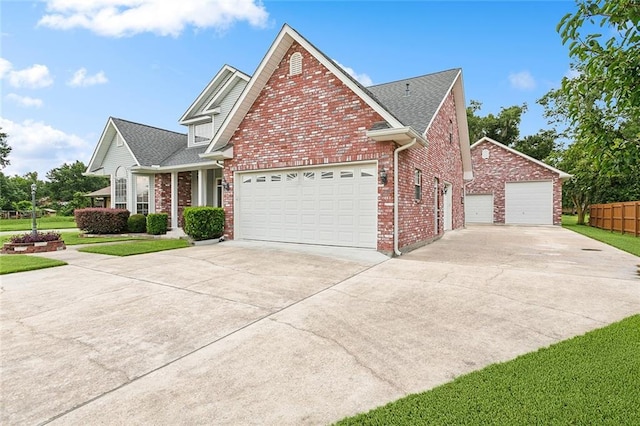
x=203, y=223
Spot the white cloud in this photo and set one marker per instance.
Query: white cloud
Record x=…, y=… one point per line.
x=36, y=146
x=25, y=101
x=363, y=79
x=119, y=18
x=522, y=80
x=81, y=79
x=33, y=77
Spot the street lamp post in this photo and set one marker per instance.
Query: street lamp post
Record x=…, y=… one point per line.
x=34, y=230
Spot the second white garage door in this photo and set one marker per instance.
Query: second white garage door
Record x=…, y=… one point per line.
x=478, y=208
x=529, y=203
x=329, y=205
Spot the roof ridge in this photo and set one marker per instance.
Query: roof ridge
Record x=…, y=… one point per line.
x=146, y=125
x=414, y=78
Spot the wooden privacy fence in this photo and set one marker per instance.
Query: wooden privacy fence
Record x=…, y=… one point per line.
x=621, y=217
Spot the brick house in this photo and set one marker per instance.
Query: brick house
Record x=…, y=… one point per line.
x=306, y=154
x=511, y=187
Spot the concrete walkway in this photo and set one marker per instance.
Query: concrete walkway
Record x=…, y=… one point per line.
x=243, y=333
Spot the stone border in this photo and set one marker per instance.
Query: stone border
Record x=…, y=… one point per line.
x=29, y=248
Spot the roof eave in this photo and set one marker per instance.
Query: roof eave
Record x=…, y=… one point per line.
x=401, y=135
x=176, y=168
x=219, y=155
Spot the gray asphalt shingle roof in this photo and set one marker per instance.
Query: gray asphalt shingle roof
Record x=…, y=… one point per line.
x=150, y=145
x=425, y=95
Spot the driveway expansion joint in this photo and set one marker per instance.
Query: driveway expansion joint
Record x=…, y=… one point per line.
x=355, y=357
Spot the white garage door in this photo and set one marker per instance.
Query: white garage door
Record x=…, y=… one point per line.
x=478, y=208
x=329, y=205
x=529, y=203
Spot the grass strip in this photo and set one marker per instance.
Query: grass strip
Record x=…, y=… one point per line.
x=136, y=247
x=11, y=263
x=625, y=242
x=51, y=222
x=589, y=379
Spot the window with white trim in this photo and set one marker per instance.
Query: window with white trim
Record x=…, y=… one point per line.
x=417, y=182
x=120, y=200
x=142, y=195
x=295, y=64
x=202, y=132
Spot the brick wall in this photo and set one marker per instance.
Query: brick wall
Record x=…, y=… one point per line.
x=441, y=159
x=309, y=119
x=502, y=166
x=162, y=187
x=313, y=119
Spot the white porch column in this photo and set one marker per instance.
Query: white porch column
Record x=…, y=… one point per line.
x=202, y=187
x=174, y=200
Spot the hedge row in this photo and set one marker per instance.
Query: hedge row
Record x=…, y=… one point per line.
x=102, y=220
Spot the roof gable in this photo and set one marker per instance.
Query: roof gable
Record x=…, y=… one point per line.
x=102, y=148
x=269, y=63
x=561, y=174
x=217, y=88
x=149, y=145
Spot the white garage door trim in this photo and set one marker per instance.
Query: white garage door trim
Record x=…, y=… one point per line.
x=528, y=203
x=331, y=205
x=478, y=208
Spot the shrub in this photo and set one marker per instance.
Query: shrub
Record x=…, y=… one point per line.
x=137, y=223
x=102, y=220
x=157, y=223
x=202, y=223
x=40, y=237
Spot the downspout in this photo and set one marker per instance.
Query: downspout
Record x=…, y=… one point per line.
x=396, y=221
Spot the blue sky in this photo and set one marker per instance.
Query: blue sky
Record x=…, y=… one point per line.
x=67, y=65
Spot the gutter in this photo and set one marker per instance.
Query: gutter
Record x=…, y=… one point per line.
x=396, y=221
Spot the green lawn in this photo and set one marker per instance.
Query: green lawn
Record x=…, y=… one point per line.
x=590, y=379
x=625, y=242
x=49, y=222
x=11, y=263
x=136, y=247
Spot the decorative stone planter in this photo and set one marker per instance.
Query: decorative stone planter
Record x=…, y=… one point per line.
x=28, y=248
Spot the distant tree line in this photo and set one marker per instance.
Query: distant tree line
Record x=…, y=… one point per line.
x=63, y=190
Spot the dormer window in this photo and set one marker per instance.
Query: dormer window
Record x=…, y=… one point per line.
x=201, y=133
x=295, y=64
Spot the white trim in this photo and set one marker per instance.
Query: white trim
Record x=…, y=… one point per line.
x=178, y=168
x=207, y=91
x=174, y=200
x=562, y=175
x=269, y=63
x=308, y=166
x=202, y=187
x=401, y=136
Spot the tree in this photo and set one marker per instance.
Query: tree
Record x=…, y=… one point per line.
x=504, y=128
x=5, y=149
x=603, y=98
x=539, y=146
x=66, y=180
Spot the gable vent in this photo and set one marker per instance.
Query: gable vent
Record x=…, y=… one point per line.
x=295, y=64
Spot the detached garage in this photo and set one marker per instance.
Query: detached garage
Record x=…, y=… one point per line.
x=511, y=187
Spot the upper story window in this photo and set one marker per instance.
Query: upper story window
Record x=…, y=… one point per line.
x=201, y=133
x=295, y=64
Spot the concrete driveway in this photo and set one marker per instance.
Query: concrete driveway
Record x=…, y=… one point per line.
x=246, y=333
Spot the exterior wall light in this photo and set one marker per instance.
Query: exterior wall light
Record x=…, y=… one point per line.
x=225, y=184
x=383, y=176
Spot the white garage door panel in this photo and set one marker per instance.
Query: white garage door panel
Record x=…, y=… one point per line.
x=478, y=208
x=529, y=203
x=328, y=205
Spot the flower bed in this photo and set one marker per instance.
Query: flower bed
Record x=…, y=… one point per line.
x=28, y=243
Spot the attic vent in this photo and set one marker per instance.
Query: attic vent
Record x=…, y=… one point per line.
x=407, y=92
x=295, y=64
